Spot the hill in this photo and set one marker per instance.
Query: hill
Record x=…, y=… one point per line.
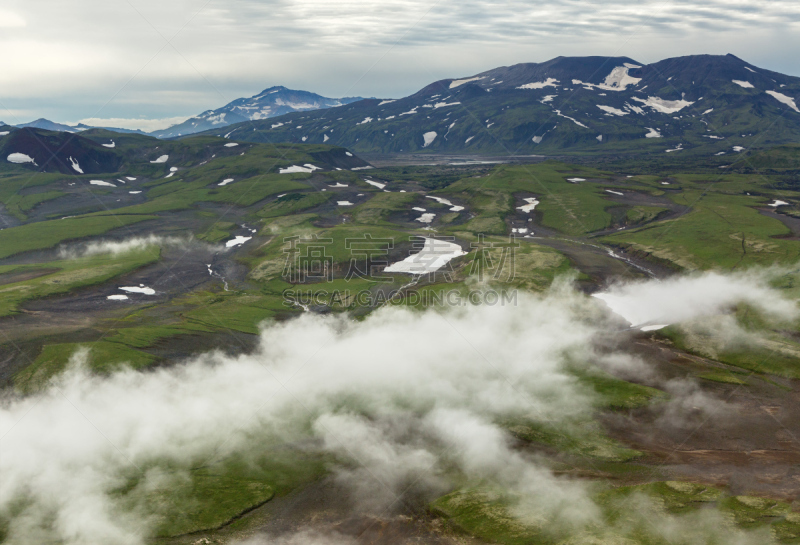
x=50, y=151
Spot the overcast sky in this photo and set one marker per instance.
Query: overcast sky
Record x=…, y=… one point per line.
x=152, y=60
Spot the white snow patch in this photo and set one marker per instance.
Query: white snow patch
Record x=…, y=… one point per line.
x=440, y=200
x=778, y=203
x=426, y=218
x=338, y=184
x=376, y=184
x=468, y=140
x=548, y=98
x=459, y=82
x=633, y=108
x=111, y=145
x=75, y=166
x=231, y=145
x=238, y=241
x=537, y=139
x=101, y=182
x=654, y=133
x=418, y=209
x=294, y=169
x=551, y=82
x=576, y=180
x=708, y=111
x=789, y=101
x=558, y=113
x=117, y=297
x=134, y=192
x=132, y=179
x=528, y=208
x=226, y=181
x=325, y=138
x=615, y=192
x=140, y=289
x=618, y=79
x=429, y=137
x=162, y=159
x=738, y=149
x=386, y=102
x=276, y=125
x=20, y=158
x=745, y=84
x=366, y=120
x=434, y=255
x=664, y=106
x=612, y=110
x=348, y=154
x=344, y=203
x=368, y=167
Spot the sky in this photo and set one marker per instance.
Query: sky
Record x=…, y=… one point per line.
x=149, y=64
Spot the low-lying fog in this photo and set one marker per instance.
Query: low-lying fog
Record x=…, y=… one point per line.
x=402, y=399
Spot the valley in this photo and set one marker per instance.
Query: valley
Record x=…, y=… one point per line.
x=235, y=298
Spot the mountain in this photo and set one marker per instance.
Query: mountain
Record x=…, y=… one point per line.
x=48, y=125
x=271, y=102
x=698, y=104
x=51, y=151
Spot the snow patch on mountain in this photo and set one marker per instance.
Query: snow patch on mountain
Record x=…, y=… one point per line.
x=612, y=111
x=550, y=82
x=619, y=79
x=664, y=106
x=780, y=97
x=459, y=82
x=20, y=158
x=745, y=84
x=75, y=166
x=429, y=137
x=654, y=133
x=558, y=113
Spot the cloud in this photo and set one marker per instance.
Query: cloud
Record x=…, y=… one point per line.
x=9, y=19
x=162, y=60
x=404, y=404
x=118, y=247
x=685, y=298
x=146, y=125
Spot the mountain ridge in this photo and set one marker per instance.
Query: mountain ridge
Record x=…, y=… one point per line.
x=715, y=104
x=271, y=102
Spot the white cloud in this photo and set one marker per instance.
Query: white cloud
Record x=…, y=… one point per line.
x=9, y=19
x=398, y=419
x=146, y=125
x=91, y=52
